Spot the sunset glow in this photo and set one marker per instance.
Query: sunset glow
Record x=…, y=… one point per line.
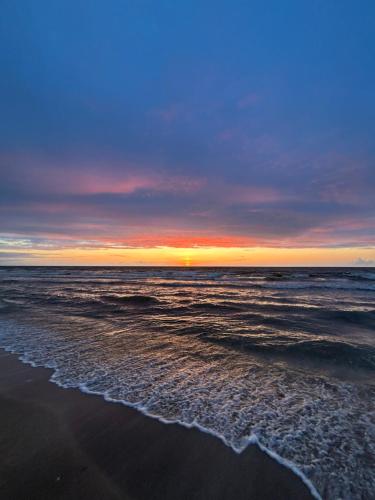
x=196, y=256
x=119, y=146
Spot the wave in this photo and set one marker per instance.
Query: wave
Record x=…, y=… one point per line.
x=215, y=307
x=361, y=275
x=336, y=285
x=360, y=318
x=134, y=300
x=361, y=356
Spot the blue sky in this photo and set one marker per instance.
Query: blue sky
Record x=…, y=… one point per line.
x=143, y=124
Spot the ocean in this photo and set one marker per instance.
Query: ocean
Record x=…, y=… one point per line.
x=284, y=358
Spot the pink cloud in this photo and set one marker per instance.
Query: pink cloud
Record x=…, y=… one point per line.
x=131, y=183
x=96, y=178
x=256, y=195
x=252, y=194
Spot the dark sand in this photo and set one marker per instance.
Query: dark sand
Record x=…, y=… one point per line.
x=62, y=444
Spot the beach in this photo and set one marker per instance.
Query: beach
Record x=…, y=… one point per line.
x=63, y=444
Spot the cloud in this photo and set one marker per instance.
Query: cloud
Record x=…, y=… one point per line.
x=361, y=262
x=80, y=177
x=121, y=201
x=14, y=255
x=20, y=258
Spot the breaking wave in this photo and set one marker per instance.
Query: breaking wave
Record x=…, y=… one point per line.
x=361, y=356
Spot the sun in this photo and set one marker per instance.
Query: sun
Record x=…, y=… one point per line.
x=187, y=260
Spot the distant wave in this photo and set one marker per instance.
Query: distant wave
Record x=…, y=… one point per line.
x=364, y=275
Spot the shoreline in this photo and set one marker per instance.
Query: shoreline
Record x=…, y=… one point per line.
x=114, y=451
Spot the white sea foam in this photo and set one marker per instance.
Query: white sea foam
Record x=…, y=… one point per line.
x=324, y=430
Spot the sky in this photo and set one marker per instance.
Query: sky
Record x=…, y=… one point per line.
x=187, y=133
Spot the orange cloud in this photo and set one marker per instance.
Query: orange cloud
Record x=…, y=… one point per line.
x=191, y=241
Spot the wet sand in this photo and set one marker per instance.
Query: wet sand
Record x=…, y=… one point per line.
x=62, y=444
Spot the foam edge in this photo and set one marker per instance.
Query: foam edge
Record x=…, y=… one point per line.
x=250, y=440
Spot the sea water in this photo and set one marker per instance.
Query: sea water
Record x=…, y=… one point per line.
x=284, y=358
